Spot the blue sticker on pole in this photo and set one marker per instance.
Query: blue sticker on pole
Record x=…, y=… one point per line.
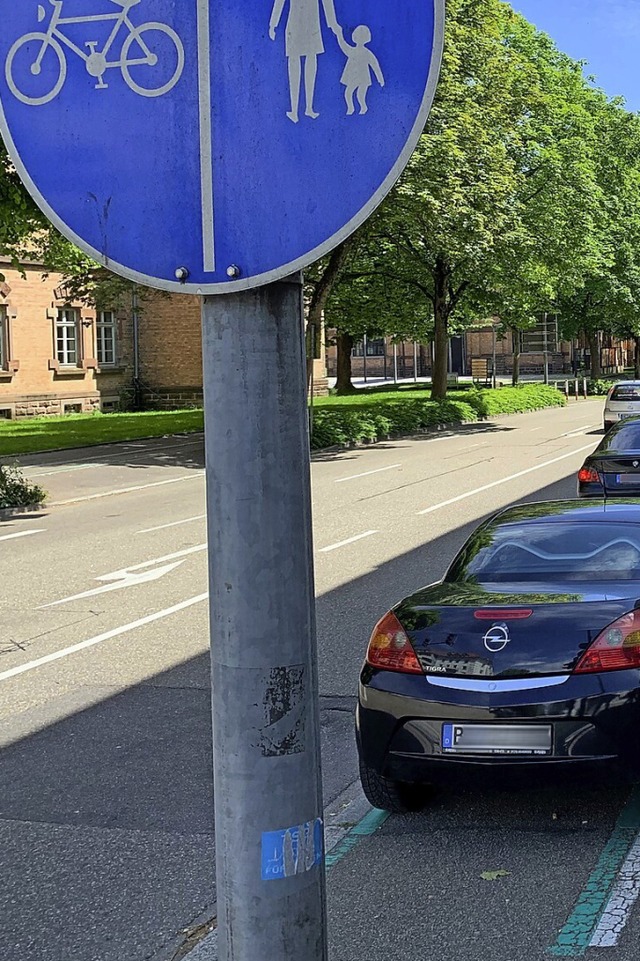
x=292, y=851
x=209, y=146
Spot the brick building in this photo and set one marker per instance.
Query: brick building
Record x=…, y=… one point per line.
x=58, y=356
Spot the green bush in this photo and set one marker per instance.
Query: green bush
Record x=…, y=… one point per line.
x=369, y=418
x=599, y=387
x=16, y=491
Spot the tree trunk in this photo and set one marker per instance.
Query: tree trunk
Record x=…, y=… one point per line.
x=636, y=358
x=344, y=343
x=441, y=333
x=594, y=350
x=319, y=300
x=517, y=344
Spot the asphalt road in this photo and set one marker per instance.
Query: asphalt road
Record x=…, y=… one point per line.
x=106, y=846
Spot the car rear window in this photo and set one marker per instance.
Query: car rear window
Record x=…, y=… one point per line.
x=626, y=392
x=624, y=438
x=556, y=551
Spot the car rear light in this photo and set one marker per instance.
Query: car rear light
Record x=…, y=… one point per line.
x=390, y=649
x=588, y=475
x=511, y=614
x=615, y=648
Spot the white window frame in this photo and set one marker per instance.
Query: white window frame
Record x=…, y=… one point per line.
x=68, y=319
x=106, y=338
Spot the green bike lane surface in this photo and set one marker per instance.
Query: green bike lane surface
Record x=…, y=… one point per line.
x=414, y=889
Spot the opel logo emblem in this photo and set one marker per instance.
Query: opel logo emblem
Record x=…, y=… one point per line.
x=496, y=638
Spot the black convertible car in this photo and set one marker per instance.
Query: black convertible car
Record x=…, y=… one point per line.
x=524, y=659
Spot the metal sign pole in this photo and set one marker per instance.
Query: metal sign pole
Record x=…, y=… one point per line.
x=268, y=801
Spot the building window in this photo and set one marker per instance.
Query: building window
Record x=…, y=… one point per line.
x=4, y=339
x=67, y=338
x=375, y=348
x=106, y=338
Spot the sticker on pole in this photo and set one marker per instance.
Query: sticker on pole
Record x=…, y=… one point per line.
x=292, y=851
x=214, y=146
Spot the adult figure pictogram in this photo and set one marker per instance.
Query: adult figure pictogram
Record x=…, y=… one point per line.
x=303, y=41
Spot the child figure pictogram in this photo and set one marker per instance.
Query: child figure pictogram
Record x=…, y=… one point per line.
x=361, y=61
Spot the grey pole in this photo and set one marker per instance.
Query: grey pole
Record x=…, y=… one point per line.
x=395, y=363
x=415, y=362
x=268, y=799
x=546, y=353
x=493, y=357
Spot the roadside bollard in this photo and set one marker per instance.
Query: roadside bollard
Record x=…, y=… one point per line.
x=566, y=389
x=575, y=384
x=584, y=387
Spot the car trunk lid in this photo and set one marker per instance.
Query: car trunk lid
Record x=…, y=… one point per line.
x=525, y=634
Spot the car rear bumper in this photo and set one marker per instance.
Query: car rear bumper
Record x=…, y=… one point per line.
x=593, y=719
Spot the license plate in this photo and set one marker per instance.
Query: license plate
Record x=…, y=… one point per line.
x=628, y=479
x=496, y=739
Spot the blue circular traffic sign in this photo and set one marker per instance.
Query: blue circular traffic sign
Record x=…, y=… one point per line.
x=209, y=146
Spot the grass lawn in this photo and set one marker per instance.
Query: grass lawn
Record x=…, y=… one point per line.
x=33, y=434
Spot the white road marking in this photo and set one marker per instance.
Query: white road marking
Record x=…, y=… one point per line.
x=623, y=896
x=8, y=537
x=366, y=473
x=579, y=430
x=162, y=527
x=350, y=540
x=116, y=632
x=126, y=490
x=118, y=582
x=536, y=428
x=87, y=462
x=503, y=480
x=185, y=552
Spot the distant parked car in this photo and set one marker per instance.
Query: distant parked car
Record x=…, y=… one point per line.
x=613, y=470
x=623, y=401
x=523, y=660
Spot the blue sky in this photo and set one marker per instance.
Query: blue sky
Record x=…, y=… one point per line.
x=606, y=33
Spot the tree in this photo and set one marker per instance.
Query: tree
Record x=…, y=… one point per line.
x=494, y=209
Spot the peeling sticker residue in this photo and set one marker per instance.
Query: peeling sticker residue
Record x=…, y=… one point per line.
x=292, y=851
x=284, y=705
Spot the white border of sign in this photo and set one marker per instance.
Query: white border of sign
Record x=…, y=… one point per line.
x=246, y=283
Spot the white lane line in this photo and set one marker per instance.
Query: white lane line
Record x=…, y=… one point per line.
x=579, y=430
x=156, y=560
x=116, y=632
x=35, y=470
x=503, y=480
x=366, y=473
x=162, y=527
x=126, y=490
x=8, y=537
x=350, y=540
x=66, y=470
x=624, y=895
x=536, y=428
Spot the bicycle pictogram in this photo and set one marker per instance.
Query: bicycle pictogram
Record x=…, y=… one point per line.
x=151, y=56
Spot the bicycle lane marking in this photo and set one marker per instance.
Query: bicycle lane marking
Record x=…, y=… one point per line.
x=583, y=923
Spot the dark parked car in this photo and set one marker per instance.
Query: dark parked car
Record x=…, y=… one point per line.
x=613, y=470
x=524, y=659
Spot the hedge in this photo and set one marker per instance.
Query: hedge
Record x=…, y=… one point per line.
x=383, y=415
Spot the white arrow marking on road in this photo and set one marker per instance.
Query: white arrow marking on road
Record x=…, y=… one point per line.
x=119, y=579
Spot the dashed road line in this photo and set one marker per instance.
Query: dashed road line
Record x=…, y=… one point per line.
x=350, y=540
x=9, y=537
x=163, y=527
x=92, y=641
x=503, y=480
x=366, y=473
x=127, y=490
